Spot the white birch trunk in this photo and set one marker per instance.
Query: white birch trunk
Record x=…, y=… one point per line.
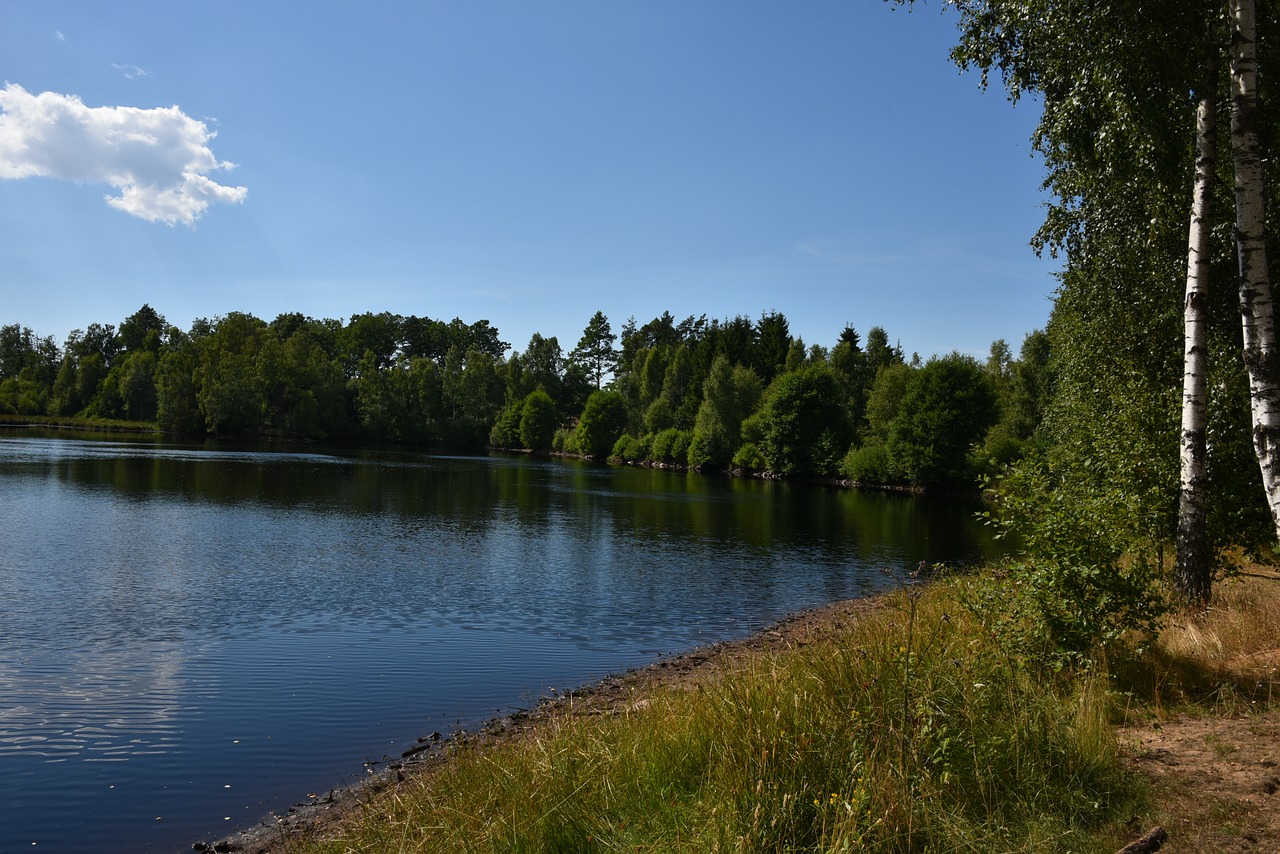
x=1257, y=317
x=1193, y=570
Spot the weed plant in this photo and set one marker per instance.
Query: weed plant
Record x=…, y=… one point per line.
x=909, y=730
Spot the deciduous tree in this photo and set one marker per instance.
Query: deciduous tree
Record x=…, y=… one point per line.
x=1257, y=312
x=1119, y=85
x=538, y=421
x=602, y=422
x=802, y=422
x=948, y=405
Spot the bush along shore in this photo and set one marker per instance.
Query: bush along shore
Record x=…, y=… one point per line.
x=930, y=719
x=747, y=473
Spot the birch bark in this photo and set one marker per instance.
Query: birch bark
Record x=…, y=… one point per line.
x=1193, y=568
x=1256, y=309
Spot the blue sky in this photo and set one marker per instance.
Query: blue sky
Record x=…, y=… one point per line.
x=526, y=163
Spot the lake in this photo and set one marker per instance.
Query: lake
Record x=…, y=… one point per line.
x=196, y=635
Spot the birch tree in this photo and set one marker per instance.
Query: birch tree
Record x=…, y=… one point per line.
x=1256, y=309
x=1193, y=559
x=1113, y=79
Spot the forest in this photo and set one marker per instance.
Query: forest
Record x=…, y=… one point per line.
x=715, y=394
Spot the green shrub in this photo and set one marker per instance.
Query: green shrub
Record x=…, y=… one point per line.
x=565, y=441
x=700, y=450
x=1000, y=450
x=670, y=446
x=1083, y=580
x=753, y=428
x=869, y=464
x=506, y=430
x=661, y=446
x=658, y=416
x=624, y=449
x=538, y=421
x=680, y=447
x=603, y=420
x=749, y=458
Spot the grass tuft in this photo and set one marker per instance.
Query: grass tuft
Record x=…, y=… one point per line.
x=1224, y=658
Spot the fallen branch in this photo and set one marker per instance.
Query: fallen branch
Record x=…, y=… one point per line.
x=1151, y=842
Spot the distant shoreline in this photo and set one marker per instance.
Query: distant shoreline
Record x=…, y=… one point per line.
x=88, y=425
x=142, y=428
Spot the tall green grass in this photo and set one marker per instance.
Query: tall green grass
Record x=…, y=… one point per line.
x=906, y=731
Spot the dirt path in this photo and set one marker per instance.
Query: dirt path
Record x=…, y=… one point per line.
x=1216, y=781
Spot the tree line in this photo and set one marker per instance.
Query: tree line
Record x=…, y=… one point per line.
x=708, y=394
x=380, y=377
x=743, y=394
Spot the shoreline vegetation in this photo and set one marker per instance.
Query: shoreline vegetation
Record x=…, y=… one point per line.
x=89, y=425
x=902, y=722
x=105, y=425
x=113, y=425
x=732, y=393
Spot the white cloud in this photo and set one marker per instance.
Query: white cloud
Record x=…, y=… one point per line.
x=57, y=34
x=157, y=159
x=132, y=72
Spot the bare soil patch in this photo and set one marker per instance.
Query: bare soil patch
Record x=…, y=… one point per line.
x=1216, y=780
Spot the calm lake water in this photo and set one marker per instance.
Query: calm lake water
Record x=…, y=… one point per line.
x=193, y=636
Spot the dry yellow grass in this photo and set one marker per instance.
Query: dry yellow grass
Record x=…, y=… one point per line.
x=1229, y=651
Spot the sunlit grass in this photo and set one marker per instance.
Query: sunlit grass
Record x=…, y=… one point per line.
x=1238, y=632
x=1227, y=654
x=905, y=731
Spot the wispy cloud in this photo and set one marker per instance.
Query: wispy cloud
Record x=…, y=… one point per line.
x=157, y=159
x=132, y=72
x=57, y=34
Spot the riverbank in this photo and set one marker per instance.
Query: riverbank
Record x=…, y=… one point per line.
x=883, y=722
x=100, y=425
x=890, y=724
x=616, y=694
